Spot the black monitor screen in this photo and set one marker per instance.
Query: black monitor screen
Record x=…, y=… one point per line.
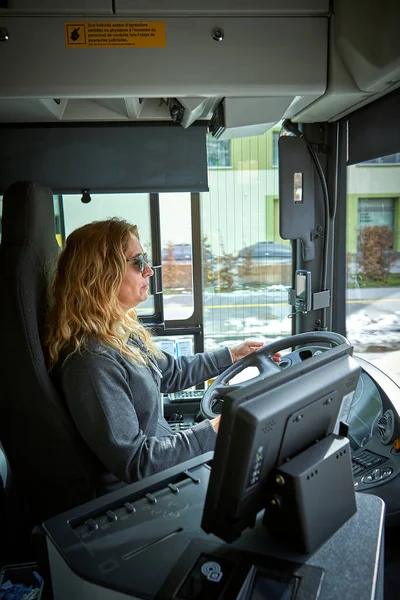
x=267, y=587
x=300, y=286
x=265, y=424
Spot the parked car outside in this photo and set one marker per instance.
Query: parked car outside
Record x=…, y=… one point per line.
x=266, y=249
x=182, y=252
x=178, y=252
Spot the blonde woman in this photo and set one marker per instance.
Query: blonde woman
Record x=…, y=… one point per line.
x=105, y=364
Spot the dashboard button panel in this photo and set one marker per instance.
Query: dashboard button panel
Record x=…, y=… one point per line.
x=377, y=475
x=364, y=460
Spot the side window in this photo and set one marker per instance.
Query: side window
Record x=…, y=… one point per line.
x=59, y=220
x=246, y=264
x=135, y=208
x=373, y=259
x=176, y=244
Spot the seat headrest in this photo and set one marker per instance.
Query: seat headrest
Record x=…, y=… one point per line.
x=28, y=218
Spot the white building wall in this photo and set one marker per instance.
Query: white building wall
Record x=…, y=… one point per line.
x=371, y=180
x=234, y=211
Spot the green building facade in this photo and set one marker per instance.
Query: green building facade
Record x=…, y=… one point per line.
x=249, y=166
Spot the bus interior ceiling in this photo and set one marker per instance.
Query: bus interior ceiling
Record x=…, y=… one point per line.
x=85, y=73
x=309, y=61
x=238, y=69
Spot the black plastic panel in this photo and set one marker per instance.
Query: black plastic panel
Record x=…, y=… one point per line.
x=374, y=130
x=133, y=157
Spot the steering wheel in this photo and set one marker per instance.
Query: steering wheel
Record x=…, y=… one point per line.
x=262, y=359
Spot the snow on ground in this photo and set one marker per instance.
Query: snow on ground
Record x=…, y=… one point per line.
x=380, y=332
x=375, y=339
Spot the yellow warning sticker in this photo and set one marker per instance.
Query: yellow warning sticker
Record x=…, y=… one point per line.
x=116, y=34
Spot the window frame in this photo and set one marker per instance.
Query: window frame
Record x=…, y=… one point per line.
x=193, y=325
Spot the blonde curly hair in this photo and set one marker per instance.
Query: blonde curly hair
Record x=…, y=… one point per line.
x=84, y=291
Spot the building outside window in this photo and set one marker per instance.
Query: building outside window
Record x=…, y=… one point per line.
x=375, y=212
x=218, y=152
x=373, y=259
x=245, y=289
x=275, y=153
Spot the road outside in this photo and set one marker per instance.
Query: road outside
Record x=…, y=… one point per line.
x=373, y=317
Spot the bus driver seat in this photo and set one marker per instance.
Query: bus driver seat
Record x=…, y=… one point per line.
x=52, y=469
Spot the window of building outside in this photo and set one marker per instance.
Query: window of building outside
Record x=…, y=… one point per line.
x=218, y=152
x=375, y=212
x=275, y=152
x=71, y=213
x=373, y=261
x=176, y=244
x=246, y=265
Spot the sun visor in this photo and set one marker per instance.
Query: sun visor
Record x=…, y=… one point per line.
x=374, y=130
x=134, y=157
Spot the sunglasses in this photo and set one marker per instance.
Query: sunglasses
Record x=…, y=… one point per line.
x=141, y=260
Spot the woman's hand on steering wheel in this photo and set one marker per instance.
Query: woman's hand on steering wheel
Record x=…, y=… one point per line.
x=215, y=423
x=264, y=357
x=246, y=348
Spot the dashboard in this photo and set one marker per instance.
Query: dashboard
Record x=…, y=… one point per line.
x=374, y=429
x=366, y=413
x=374, y=433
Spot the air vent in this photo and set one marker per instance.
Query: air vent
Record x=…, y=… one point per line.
x=268, y=426
x=312, y=474
x=283, y=364
x=386, y=427
x=350, y=383
x=339, y=454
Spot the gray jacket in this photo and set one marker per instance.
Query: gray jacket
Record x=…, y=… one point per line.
x=115, y=405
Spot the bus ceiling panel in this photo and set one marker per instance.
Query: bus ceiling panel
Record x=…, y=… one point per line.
x=147, y=8
x=222, y=7
x=17, y=110
x=60, y=58
x=368, y=41
x=363, y=59
x=66, y=7
x=341, y=95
